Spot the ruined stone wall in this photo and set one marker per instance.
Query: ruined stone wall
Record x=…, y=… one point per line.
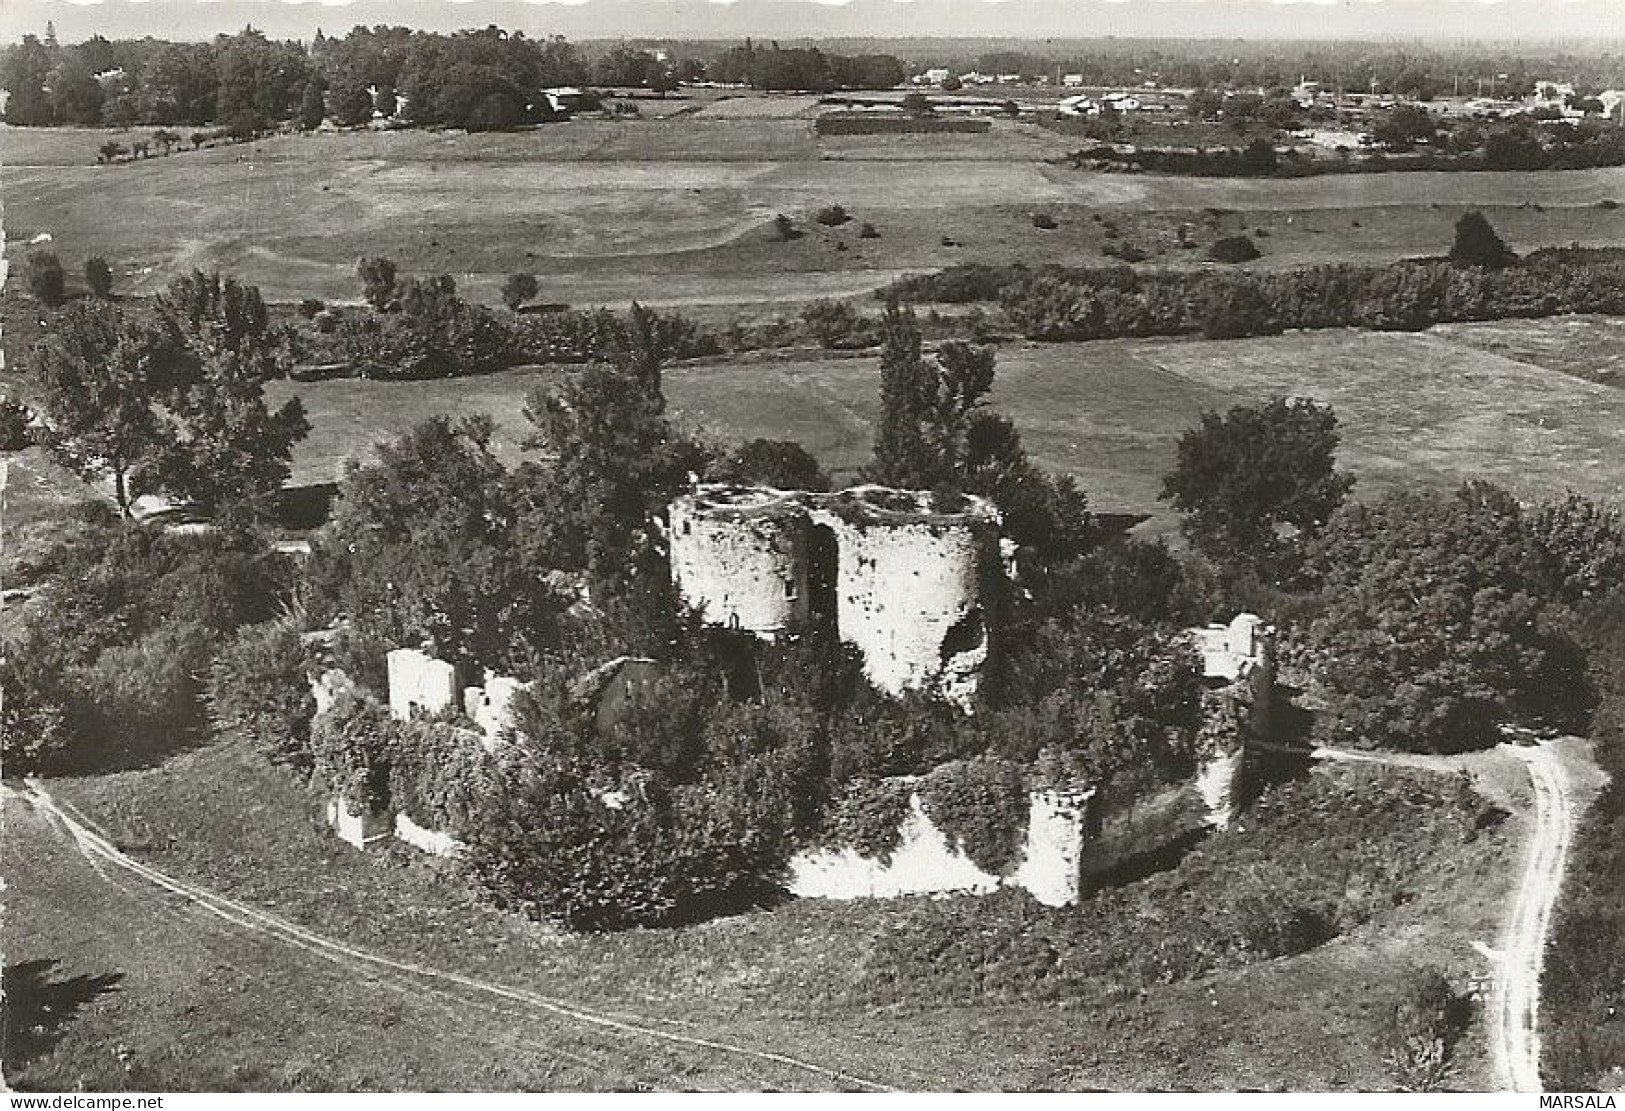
x=1238, y=667
x=418, y=681
x=739, y=555
x=491, y=706
x=926, y=863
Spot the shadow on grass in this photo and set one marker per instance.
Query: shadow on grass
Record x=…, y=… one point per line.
x=38, y=1008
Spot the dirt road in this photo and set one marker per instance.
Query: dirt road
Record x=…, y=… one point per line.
x=1514, y=1008
x=166, y=940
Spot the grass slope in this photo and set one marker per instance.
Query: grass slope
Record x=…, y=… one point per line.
x=802, y=978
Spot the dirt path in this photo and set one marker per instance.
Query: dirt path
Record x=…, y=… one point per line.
x=1515, y=1000
x=531, y=1021
x=1514, y=1003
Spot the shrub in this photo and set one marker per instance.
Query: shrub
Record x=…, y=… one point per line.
x=440, y=774
x=1233, y=249
x=832, y=216
x=517, y=289
x=867, y=231
x=1422, y=1029
x=98, y=276
x=867, y=817
x=15, y=421
x=556, y=846
x=377, y=276
x=46, y=280
x=145, y=692
x=1044, y=221
x=785, y=228
x=259, y=692
x=981, y=806
x=833, y=323
x=33, y=733
x=311, y=307
x=1477, y=244
x=348, y=751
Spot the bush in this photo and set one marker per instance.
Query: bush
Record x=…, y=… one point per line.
x=259, y=693
x=556, y=846
x=1044, y=221
x=349, y=751
x=145, y=693
x=1233, y=249
x=519, y=288
x=981, y=806
x=1424, y=1025
x=834, y=323
x=440, y=774
x=867, y=817
x=785, y=228
x=46, y=280
x=867, y=231
x=1477, y=244
x=98, y=277
x=15, y=421
x=33, y=730
x=311, y=307
x=832, y=216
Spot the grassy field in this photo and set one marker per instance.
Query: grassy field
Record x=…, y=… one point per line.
x=678, y=210
x=1507, y=401
x=792, y=979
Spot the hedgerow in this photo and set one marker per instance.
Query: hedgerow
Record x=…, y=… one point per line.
x=1056, y=303
x=867, y=817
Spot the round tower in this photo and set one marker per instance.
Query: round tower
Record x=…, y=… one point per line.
x=739, y=555
x=909, y=583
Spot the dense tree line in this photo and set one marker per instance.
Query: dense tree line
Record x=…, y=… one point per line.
x=486, y=79
x=246, y=82
x=1056, y=303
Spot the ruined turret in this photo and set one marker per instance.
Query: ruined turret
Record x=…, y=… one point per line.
x=909, y=580
x=739, y=555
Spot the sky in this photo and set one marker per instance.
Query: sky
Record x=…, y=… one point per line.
x=1434, y=20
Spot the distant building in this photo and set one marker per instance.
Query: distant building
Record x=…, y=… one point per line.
x=936, y=76
x=566, y=98
x=1073, y=80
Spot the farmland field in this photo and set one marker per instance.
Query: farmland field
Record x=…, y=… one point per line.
x=1498, y=401
x=679, y=210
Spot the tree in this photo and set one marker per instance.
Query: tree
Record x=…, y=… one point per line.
x=782, y=464
x=100, y=375
x=110, y=152
x=46, y=281
x=166, y=139
x=1255, y=483
x=349, y=101
x=377, y=281
x=1403, y=126
x=98, y=276
x=922, y=439
x=230, y=449
x=313, y=104
x=1477, y=244
x=422, y=546
x=517, y=289
x=1431, y=629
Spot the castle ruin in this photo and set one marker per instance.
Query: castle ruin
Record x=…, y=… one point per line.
x=899, y=574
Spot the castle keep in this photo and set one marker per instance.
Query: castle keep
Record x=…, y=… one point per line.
x=899, y=574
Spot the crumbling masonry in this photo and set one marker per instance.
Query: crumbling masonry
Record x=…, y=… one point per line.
x=899, y=574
